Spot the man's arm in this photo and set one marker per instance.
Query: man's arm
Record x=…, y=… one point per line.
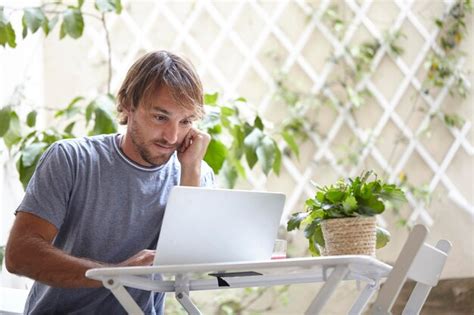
x=190, y=155
x=29, y=253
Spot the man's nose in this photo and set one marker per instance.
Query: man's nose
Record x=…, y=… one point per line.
x=170, y=133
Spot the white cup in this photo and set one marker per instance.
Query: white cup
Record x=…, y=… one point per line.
x=279, y=249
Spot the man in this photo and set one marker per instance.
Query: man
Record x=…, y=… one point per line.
x=99, y=201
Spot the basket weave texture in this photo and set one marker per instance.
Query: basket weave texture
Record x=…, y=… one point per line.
x=349, y=236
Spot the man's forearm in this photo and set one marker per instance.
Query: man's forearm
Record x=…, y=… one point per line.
x=37, y=259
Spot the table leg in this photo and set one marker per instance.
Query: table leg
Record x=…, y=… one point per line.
x=122, y=296
x=363, y=298
x=326, y=291
x=182, y=295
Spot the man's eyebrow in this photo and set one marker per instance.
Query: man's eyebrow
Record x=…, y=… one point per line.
x=161, y=110
x=164, y=111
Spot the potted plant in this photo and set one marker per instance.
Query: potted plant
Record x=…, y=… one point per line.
x=340, y=219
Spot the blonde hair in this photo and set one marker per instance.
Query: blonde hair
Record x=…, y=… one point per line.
x=154, y=71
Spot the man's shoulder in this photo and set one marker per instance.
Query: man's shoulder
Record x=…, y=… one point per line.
x=91, y=143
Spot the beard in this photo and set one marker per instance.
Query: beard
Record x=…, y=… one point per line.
x=145, y=147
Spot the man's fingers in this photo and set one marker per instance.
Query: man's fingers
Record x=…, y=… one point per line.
x=142, y=258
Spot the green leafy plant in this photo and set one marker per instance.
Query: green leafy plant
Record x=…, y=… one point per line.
x=235, y=139
x=347, y=198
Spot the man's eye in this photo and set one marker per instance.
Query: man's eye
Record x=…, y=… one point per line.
x=187, y=122
x=160, y=118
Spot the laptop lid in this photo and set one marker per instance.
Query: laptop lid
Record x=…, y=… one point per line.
x=203, y=225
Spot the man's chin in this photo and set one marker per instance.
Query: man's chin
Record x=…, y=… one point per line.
x=160, y=160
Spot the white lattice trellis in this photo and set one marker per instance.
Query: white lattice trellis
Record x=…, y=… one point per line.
x=224, y=23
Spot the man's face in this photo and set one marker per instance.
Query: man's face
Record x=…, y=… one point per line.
x=156, y=130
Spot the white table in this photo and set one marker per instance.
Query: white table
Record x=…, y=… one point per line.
x=182, y=279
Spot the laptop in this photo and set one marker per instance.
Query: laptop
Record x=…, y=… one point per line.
x=204, y=225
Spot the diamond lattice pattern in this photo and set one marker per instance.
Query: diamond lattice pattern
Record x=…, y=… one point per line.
x=240, y=46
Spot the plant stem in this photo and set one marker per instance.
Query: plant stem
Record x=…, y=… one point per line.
x=109, y=52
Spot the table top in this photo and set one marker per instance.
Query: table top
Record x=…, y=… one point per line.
x=365, y=266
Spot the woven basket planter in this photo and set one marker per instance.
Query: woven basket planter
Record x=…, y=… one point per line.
x=349, y=236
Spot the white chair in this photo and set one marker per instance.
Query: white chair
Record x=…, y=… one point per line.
x=418, y=261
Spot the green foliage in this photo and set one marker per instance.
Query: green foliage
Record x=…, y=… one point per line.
x=4, y=120
x=443, y=66
x=347, y=198
x=73, y=23
x=7, y=34
x=333, y=17
x=27, y=142
x=42, y=17
x=235, y=140
x=108, y=6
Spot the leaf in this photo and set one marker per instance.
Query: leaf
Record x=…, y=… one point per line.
x=354, y=97
x=118, y=6
x=314, y=250
x=290, y=141
x=89, y=110
x=25, y=172
x=69, y=128
x=71, y=108
x=13, y=135
x=258, y=123
x=251, y=142
x=318, y=236
x=227, y=111
x=104, y=123
x=253, y=139
x=349, y=204
x=382, y=237
x=104, y=118
x=277, y=161
x=49, y=25
x=33, y=18
x=372, y=207
x=7, y=34
x=453, y=120
x=31, y=118
x=335, y=195
x=62, y=31
x=314, y=215
x=211, y=99
x=266, y=154
x=73, y=23
x=4, y=120
x=393, y=194
x=215, y=155
x=295, y=220
x=80, y=3
x=320, y=196
x=230, y=174
x=106, y=5
x=32, y=152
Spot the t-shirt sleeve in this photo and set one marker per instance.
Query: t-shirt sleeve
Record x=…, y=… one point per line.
x=207, y=176
x=48, y=192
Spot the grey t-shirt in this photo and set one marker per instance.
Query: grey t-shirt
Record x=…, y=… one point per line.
x=106, y=208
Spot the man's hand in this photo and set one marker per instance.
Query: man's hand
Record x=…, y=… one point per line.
x=190, y=154
x=142, y=258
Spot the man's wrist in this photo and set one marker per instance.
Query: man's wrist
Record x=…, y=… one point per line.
x=191, y=176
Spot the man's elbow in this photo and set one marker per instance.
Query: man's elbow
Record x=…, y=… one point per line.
x=13, y=259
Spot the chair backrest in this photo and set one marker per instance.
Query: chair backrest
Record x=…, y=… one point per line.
x=418, y=261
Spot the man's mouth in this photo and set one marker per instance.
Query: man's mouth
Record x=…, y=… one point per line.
x=165, y=147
